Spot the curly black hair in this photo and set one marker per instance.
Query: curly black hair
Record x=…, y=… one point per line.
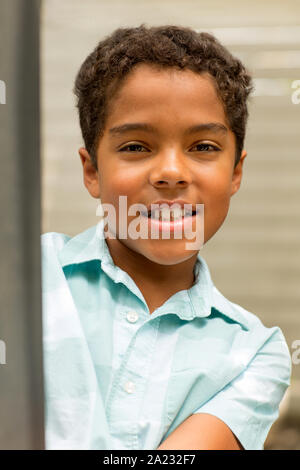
x=103, y=71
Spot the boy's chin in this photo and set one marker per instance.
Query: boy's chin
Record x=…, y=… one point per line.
x=167, y=252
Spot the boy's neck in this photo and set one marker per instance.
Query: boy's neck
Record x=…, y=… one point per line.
x=156, y=282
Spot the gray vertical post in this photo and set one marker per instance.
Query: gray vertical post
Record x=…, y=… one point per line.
x=21, y=360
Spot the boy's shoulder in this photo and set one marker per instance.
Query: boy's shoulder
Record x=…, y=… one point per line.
x=52, y=243
x=233, y=310
x=54, y=240
x=60, y=244
x=59, y=250
x=255, y=340
x=227, y=308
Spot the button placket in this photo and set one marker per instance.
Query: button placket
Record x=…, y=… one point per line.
x=129, y=383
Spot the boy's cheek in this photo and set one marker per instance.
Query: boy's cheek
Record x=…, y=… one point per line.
x=118, y=182
x=215, y=212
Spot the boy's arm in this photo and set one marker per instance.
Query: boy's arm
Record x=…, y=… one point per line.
x=202, y=431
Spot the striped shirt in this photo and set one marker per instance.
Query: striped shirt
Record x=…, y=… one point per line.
x=118, y=377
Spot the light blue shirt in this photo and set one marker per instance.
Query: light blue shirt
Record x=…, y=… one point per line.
x=118, y=377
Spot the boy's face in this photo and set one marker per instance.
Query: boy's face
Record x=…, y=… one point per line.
x=169, y=161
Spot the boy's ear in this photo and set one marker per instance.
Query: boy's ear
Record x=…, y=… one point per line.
x=90, y=173
x=237, y=174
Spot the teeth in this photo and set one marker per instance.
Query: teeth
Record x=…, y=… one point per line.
x=177, y=213
x=188, y=212
x=166, y=214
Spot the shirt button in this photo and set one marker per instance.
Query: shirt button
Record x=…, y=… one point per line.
x=132, y=316
x=129, y=387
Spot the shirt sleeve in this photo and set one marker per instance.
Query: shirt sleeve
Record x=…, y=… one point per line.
x=249, y=404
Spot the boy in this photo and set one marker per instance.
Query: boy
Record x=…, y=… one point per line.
x=141, y=351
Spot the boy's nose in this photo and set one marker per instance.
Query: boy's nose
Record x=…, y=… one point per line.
x=170, y=170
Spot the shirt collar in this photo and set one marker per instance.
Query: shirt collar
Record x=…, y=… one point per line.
x=198, y=301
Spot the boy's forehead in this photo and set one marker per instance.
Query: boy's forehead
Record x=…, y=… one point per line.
x=149, y=88
x=146, y=76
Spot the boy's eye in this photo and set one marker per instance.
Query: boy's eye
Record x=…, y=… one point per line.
x=133, y=148
x=206, y=148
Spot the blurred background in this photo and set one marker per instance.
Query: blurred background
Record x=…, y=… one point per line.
x=255, y=258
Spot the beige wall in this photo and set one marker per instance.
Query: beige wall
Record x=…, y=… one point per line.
x=255, y=258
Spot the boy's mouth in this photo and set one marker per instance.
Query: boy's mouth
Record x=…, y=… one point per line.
x=166, y=214
x=170, y=211
x=166, y=220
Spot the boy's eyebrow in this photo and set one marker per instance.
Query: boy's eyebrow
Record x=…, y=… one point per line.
x=133, y=126
x=215, y=127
